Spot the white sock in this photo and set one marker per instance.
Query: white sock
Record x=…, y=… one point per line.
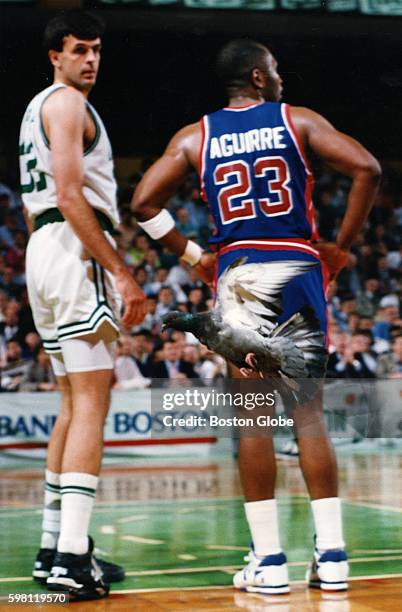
x=262, y=517
x=327, y=514
x=77, y=499
x=51, y=511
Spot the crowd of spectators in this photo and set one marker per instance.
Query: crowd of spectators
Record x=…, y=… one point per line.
x=364, y=302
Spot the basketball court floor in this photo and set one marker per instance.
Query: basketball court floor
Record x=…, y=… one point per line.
x=177, y=525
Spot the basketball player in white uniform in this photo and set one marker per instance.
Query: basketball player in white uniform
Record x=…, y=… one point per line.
x=76, y=283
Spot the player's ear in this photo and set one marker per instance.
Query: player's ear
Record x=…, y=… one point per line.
x=258, y=78
x=54, y=58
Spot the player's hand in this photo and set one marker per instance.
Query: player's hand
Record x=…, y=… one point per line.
x=134, y=299
x=334, y=258
x=206, y=268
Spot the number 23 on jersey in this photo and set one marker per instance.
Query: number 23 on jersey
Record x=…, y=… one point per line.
x=234, y=205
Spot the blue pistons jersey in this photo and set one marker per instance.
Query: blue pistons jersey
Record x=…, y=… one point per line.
x=254, y=174
x=257, y=182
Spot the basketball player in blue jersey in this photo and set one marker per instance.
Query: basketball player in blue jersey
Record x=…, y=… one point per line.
x=253, y=159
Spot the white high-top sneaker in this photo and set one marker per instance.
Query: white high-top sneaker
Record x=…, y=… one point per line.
x=329, y=570
x=263, y=574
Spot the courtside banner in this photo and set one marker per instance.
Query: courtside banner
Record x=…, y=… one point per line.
x=174, y=416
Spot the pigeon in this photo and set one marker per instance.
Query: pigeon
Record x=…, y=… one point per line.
x=243, y=327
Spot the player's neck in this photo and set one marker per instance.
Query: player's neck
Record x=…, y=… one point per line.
x=237, y=100
x=59, y=79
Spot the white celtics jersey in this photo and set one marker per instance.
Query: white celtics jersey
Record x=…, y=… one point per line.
x=37, y=182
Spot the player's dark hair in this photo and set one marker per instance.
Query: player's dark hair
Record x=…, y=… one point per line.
x=236, y=61
x=80, y=24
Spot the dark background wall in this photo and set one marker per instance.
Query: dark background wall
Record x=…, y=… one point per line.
x=157, y=72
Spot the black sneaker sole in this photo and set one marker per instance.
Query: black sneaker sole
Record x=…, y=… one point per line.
x=83, y=594
x=40, y=580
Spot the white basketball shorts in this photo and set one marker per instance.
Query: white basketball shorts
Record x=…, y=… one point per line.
x=70, y=294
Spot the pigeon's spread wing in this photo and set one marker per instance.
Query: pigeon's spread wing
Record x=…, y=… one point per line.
x=250, y=294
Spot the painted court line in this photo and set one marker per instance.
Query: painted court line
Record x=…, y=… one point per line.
x=139, y=540
x=384, y=551
x=227, y=587
x=372, y=506
x=225, y=568
x=219, y=547
x=131, y=519
x=121, y=505
x=200, y=509
x=108, y=529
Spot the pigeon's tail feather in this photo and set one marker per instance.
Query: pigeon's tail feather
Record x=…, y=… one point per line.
x=304, y=331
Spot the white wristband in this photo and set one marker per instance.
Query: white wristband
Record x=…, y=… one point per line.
x=192, y=253
x=158, y=226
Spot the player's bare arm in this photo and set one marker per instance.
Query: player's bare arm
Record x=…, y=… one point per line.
x=160, y=183
x=64, y=117
x=349, y=157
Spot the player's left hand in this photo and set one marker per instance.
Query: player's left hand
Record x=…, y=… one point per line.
x=334, y=258
x=206, y=268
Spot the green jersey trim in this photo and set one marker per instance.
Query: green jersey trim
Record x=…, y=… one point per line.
x=95, y=141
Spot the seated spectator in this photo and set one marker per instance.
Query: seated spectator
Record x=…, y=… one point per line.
x=8, y=228
x=159, y=281
x=126, y=228
x=194, y=282
x=394, y=259
x=15, y=256
x=362, y=348
x=14, y=368
x=137, y=253
x=8, y=283
x=140, y=276
x=390, y=364
x=166, y=301
x=349, y=280
x=185, y=225
x=151, y=263
x=140, y=351
x=387, y=315
x=353, y=322
x=151, y=321
x=178, y=274
x=31, y=345
x=39, y=376
x=385, y=276
x=342, y=363
x=171, y=366
x=196, y=302
x=368, y=300
x=212, y=366
x=10, y=328
x=347, y=306
x=127, y=373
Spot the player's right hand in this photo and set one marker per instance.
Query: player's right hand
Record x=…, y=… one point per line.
x=134, y=299
x=206, y=268
x=334, y=258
